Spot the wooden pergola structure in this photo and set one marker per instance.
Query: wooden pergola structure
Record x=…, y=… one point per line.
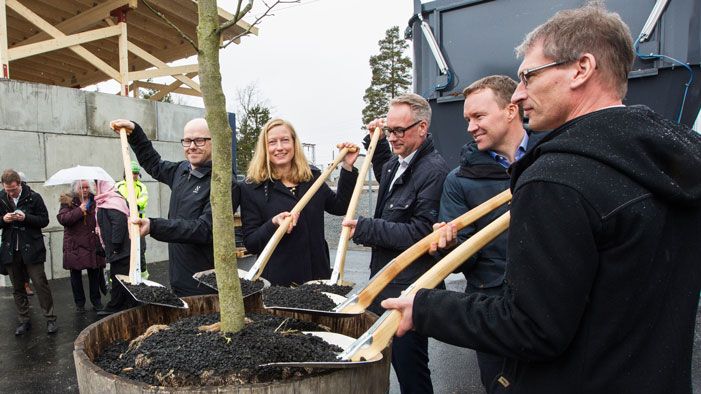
x=77, y=43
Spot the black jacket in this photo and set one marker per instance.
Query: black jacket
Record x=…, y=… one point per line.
x=188, y=229
x=26, y=235
x=405, y=214
x=479, y=178
x=115, y=234
x=603, y=274
x=303, y=254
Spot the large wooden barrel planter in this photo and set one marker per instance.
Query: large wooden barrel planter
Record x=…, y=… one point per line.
x=373, y=378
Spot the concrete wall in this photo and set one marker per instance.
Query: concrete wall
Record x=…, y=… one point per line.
x=46, y=128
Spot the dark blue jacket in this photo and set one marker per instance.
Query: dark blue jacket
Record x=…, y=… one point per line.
x=479, y=178
x=303, y=254
x=405, y=214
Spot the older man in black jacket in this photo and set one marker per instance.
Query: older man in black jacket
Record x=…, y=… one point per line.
x=407, y=206
x=603, y=274
x=188, y=229
x=23, y=253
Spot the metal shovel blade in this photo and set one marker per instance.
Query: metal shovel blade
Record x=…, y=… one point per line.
x=125, y=280
x=340, y=340
x=329, y=282
x=337, y=299
x=199, y=275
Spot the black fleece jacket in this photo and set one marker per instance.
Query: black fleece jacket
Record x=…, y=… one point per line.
x=603, y=273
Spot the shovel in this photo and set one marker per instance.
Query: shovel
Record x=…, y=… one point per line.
x=358, y=302
x=339, y=263
x=259, y=265
x=134, y=277
x=370, y=345
x=337, y=299
x=198, y=276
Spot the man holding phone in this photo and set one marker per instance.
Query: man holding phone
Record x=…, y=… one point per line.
x=22, y=252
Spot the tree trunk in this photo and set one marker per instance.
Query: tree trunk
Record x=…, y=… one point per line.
x=230, y=297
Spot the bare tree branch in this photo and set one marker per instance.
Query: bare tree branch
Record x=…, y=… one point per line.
x=171, y=24
x=237, y=16
x=269, y=8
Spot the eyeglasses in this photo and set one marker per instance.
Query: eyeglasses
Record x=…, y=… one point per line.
x=198, y=142
x=398, y=131
x=529, y=72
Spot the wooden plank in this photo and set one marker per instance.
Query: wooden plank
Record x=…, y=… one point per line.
x=175, y=87
x=123, y=59
x=164, y=71
x=133, y=48
x=4, y=58
x=82, y=52
x=23, y=51
x=82, y=20
x=167, y=88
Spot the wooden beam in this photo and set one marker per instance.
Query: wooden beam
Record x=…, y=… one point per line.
x=84, y=19
x=54, y=32
x=63, y=42
x=172, y=88
x=4, y=58
x=161, y=87
x=133, y=48
x=163, y=71
x=123, y=59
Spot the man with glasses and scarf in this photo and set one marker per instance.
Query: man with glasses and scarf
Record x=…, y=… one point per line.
x=188, y=228
x=603, y=274
x=408, y=200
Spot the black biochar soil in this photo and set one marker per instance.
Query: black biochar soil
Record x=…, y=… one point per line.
x=185, y=356
x=247, y=287
x=297, y=297
x=335, y=289
x=154, y=294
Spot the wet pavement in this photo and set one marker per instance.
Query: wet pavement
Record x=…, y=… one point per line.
x=41, y=363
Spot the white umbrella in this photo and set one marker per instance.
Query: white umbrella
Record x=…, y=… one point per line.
x=68, y=175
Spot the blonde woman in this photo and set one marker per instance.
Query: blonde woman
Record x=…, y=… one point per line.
x=278, y=176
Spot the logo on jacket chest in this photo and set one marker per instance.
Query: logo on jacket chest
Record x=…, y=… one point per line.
x=196, y=190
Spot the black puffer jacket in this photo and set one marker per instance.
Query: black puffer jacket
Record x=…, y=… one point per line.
x=603, y=274
x=27, y=234
x=303, y=254
x=405, y=214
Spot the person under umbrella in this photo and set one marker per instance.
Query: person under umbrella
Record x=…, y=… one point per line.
x=81, y=245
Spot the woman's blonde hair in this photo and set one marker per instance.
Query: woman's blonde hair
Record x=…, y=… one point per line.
x=259, y=169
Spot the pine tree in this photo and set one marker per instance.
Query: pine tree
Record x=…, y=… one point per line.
x=391, y=75
x=250, y=126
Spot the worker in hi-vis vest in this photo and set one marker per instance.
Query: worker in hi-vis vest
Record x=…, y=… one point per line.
x=141, y=203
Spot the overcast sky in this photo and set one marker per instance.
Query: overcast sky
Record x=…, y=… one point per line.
x=310, y=62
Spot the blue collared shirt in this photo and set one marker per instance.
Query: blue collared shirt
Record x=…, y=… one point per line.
x=520, y=151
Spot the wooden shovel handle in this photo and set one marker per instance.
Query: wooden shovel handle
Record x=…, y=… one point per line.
x=264, y=256
x=342, y=249
x=134, y=234
x=430, y=279
x=399, y=263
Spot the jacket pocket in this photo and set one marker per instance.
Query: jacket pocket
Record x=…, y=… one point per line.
x=398, y=210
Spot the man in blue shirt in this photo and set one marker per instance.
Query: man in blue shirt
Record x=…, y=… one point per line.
x=499, y=139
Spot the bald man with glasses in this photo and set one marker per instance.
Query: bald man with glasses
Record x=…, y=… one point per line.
x=409, y=196
x=188, y=228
